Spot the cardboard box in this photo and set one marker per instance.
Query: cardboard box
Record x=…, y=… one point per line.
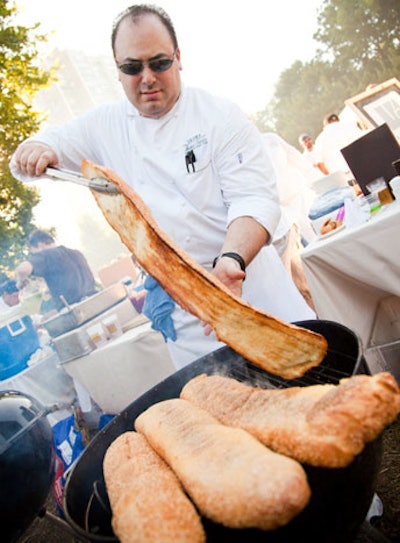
x=118, y=270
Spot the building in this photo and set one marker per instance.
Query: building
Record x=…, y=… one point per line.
x=83, y=82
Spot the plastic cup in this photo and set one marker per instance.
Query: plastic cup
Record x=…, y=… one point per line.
x=97, y=335
x=112, y=326
x=374, y=203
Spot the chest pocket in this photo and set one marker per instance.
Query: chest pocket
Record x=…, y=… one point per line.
x=197, y=180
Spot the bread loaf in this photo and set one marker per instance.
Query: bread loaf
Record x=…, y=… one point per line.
x=322, y=425
x=268, y=342
x=231, y=477
x=148, y=502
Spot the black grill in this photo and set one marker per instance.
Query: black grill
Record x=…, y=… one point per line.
x=340, y=497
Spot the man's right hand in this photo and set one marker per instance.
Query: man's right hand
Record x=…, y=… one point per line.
x=33, y=158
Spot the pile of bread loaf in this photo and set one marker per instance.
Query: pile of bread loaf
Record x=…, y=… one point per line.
x=233, y=453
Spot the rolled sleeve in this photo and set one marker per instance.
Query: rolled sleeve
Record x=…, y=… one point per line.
x=247, y=177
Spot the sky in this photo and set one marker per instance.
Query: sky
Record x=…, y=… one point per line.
x=236, y=49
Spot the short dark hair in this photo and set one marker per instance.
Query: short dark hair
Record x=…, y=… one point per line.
x=8, y=287
x=39, y=236
x=331, y=118
x=139, y=10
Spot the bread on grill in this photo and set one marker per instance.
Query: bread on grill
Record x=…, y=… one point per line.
x=147, y=501
x=322, y=425
x=231, y=477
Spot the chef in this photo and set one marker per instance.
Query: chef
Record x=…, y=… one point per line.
x=197, y=162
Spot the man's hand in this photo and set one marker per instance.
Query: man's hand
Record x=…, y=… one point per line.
x=33, y=158
x=228, y=271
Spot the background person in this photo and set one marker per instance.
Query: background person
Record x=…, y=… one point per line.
x=294, y=176
x=311, y=153
x=196, y=160
x=9, y=294
x=65, y=271
x=335, y=135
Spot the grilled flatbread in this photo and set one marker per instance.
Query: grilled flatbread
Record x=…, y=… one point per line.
x=147, y=500
x=230, y=476
x=264, y=340
x=322, y=425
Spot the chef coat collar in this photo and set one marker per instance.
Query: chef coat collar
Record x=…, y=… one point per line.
x=133, y=112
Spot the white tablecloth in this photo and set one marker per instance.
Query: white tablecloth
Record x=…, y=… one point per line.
x=121, y=371
x=45, y=381
x=355, y=272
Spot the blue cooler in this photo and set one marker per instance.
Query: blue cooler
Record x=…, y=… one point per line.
x=18, y=341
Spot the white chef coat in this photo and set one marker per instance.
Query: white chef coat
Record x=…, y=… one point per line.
x=332, y=139
x=231, y=176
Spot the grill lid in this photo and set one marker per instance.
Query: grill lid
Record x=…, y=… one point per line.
x=27, y=461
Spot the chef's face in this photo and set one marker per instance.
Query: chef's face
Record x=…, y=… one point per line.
x=152, y=92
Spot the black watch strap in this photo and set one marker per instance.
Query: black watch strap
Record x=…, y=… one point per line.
x=235, y=256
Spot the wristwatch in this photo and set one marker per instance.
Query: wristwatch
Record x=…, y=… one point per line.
x=235, y=256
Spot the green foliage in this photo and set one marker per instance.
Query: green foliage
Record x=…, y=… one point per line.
x=359, y=45
x=21, y=77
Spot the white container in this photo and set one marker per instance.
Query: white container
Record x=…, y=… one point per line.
x=46, y=381
x=77, y=342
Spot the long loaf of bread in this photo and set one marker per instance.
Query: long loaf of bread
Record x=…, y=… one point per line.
x=147, y=500
x=230, y=476
x=322, y=425
x=268, y=342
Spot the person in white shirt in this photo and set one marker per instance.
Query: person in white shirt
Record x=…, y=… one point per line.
x=311, y=154
x=335, y=135
x=196, y=160
x=294, y=176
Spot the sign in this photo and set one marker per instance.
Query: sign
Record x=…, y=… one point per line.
x=379, y=104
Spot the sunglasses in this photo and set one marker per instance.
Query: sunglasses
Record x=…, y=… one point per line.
x=157, y=65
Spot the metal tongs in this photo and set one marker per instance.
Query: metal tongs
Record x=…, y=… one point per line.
x=97, y=183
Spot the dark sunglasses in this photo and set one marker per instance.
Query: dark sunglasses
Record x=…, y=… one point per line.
x=157, y=65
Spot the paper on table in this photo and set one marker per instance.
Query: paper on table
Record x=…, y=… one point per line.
x=355, y=214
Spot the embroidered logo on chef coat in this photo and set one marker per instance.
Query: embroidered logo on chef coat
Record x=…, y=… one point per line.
x=194, y=151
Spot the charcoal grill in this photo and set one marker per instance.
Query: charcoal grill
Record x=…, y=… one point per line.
x=26, y=462
x=340, y=497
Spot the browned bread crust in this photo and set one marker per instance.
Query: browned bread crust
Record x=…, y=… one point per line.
x=268, y=342
x=147, y=500
x=321, y=425
x=231, y=477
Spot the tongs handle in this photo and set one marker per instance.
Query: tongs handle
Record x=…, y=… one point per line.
x=98, y=183
x=67, y=175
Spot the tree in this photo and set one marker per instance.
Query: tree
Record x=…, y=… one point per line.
x=21, y=77
x=363, y=38
x=358, y=45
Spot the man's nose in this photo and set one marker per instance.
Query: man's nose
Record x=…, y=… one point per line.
x=148, y=76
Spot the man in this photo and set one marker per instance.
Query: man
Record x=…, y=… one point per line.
x=65, y=271
x=335, y=135
x=311, y=154
x=9, y=295
x=196, y=160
